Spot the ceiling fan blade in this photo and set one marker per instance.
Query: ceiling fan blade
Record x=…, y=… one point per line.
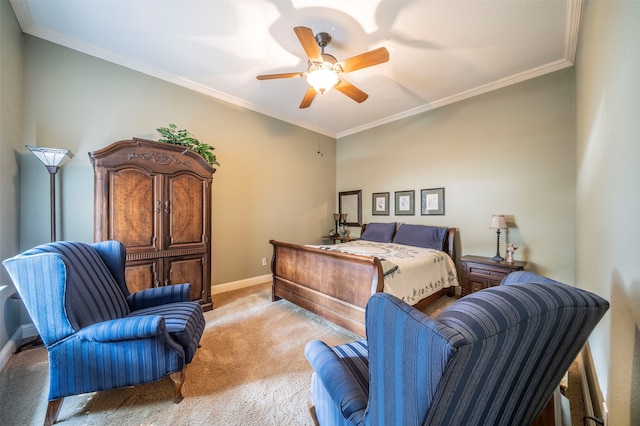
x=309, y=43
x=351, y=91
x=308, y=97
x=284, y=75
x=373, y=57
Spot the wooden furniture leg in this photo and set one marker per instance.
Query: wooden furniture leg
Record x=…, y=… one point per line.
x=312, y=412
x=178, y=380
x=53, y=408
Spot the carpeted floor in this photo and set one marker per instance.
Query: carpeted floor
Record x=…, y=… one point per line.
x=250, y=370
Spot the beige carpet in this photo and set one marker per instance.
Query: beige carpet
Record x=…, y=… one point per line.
x=250, y=370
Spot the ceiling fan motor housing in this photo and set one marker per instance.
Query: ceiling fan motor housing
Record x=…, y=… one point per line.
x=328, y=61
x=323, y=40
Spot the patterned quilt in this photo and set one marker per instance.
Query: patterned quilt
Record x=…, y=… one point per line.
x=411, y=273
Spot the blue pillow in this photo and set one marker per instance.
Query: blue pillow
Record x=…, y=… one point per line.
x=379, y=232
x=432, y=237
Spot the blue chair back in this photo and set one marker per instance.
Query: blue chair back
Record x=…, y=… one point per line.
x=68, y=288
x=493, y=357
x=516, y=342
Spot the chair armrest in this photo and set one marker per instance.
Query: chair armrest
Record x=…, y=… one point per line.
x=408, y=354
x=129, y=328
x=159, y=296
x=338, y=380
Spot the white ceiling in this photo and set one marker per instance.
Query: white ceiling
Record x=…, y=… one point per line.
x=441, y=51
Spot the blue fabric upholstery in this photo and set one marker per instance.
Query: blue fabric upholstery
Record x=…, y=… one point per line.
x=493, y=357
x=520, y=277
x=84, y=304
x=346, y=368
x=159, y=296
x=98, y=335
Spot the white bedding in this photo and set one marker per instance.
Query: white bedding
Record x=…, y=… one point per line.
x=411, y=273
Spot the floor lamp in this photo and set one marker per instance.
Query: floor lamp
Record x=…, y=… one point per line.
x=53, y=159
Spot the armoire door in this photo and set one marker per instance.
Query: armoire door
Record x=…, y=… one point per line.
x=135, y=209
x=186, y=211
x=188, y=269
x=142, y=274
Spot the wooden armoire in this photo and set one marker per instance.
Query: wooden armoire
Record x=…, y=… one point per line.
x=156, y=199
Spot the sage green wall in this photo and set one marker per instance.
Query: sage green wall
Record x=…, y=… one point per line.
x=608, y=196
x=507, y=152
x=10, y=143
x=271, y=183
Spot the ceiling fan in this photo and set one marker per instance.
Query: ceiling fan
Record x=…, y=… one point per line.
x=323, y=72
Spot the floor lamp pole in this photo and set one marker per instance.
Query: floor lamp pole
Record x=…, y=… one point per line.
x=52, y=191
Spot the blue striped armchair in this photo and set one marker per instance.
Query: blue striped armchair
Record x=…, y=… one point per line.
x=98, y=335
x=491, y=358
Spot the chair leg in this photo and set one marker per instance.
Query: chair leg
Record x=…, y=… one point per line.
x=178, y=380
x=53, y=408
x=312, y=412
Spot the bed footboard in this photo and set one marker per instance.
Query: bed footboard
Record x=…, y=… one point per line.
x=333, y=285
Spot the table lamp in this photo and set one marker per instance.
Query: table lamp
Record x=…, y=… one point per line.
x=498, y=223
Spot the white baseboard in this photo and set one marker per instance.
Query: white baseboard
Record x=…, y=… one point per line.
x=28, y=330
x=594, y=403
x=237, y=285
x=23, y=332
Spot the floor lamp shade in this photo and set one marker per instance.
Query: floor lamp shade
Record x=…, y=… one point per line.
x=53, y=159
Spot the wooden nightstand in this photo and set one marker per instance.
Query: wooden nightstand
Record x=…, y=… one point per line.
x=338, y=239
x=483, y=272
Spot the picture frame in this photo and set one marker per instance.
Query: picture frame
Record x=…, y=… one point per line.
x=380, y=204
x=404, y=203
x=432, y=201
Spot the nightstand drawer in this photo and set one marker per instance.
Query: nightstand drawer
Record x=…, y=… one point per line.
x=479, y=272
x=475, y=285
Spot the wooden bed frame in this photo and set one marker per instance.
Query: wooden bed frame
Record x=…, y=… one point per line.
x=334, y=285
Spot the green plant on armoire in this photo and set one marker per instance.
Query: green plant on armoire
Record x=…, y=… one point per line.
x=182, y=137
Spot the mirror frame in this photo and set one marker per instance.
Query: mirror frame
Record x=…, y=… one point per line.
x=357, y=193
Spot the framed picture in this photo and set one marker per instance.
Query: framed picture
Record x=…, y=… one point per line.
x=405, y=203
x=380, y=204
x=432, y=201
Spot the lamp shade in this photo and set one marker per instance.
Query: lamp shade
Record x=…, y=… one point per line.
x=52, y=158
x=322, y=79
x=498, y=222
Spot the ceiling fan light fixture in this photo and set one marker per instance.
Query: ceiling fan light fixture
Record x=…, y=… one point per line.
x=322, y=79
x=323, y=69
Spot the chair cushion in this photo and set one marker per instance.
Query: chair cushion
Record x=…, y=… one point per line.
x=184, y=320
